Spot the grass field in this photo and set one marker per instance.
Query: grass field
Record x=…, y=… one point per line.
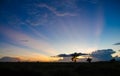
x=60, y=69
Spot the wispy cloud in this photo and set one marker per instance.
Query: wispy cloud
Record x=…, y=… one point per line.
x=18, y=24
x=38, y=20
x=38, y=33
x=53, y=10
x=40, y=46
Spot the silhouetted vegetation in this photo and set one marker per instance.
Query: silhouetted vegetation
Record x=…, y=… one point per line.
x=60, y=69
x=74, y=57
x=113, y=60
x=89, y=60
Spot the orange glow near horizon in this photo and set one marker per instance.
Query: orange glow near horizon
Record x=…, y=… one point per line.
x=38, y=58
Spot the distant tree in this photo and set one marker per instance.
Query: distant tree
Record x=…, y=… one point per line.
x=74, y=56
x=89, y=60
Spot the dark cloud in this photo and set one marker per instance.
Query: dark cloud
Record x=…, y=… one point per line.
x=103, y=55
x=117, y=43
x=70, y=55
x=9, y=59
x=63, y=55
x=67, y=57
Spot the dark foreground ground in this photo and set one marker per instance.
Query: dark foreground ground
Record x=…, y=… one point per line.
x=60, y=69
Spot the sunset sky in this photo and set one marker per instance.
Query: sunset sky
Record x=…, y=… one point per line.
x=38, y=29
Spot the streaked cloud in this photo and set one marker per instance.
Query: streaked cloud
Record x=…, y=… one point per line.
x=37, y=20
x=38, y=45
x=53, y=10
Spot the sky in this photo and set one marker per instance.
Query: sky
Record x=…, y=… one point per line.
x=38, y=29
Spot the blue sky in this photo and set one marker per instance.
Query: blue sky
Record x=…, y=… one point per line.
x=42, y=28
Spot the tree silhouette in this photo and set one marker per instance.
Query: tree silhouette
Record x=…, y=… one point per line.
x=89, y=60
x=74, y=56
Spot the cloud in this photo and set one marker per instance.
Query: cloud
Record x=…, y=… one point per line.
x=40, y=46
x=67, y=57
x=70, y=55
x=44, y=13
x=102, y=55
x=53, y=10
x=64, y=55
x=9, y=59
x=38, y=19
x=117, y=43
